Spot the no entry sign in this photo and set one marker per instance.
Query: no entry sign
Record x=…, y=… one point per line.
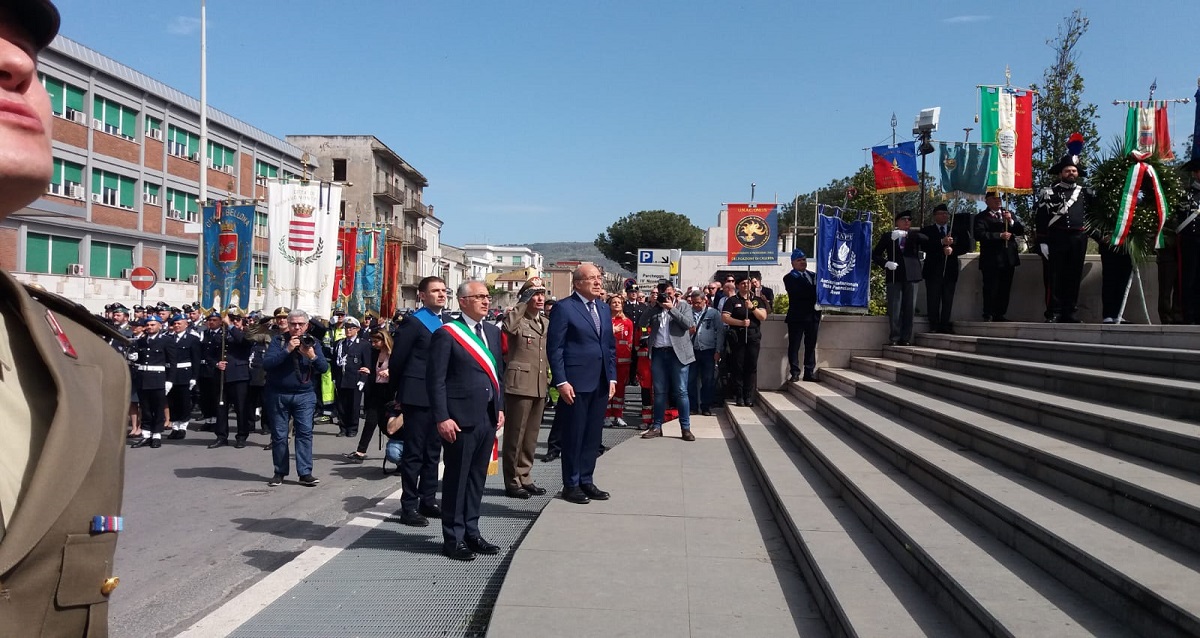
x=143, y=278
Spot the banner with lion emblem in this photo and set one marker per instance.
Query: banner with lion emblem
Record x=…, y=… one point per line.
x=302, y=246
x=843, y=261
x=753, y=234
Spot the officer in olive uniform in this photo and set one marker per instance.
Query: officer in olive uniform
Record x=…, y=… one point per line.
x=1060, y=219
x=525, y=371
x=63, y=391
x=1188, y=242
x=183, y=364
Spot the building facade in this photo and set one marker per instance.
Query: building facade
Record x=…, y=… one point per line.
x=505, y=258
x=125, y=186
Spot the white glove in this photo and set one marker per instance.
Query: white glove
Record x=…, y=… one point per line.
x=1045, y=248
x=891, y=265
x=361, y=385
x=897, y=234
x=132, y=356
x=169, y=387
x=192, y=384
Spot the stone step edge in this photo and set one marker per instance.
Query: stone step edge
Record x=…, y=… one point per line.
x=1105, y=584
x=840, y=584
x=948, y=582
x=1156, y=511
x=1173, y=354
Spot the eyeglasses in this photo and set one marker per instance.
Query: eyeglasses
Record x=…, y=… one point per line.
x=297, y=323
x=478, y=297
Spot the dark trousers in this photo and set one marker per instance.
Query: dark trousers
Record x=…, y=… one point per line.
x=209, y=395
x=939, y=294
x=349, y=406
x=153, y=404
x=419, y=462
x=1189, y=270
x=1117, y=267
x=235, y=397
x=254, y=401
x=803, y=331
x=462, y=482
x=180, y=402
x=554, y=439
x=997, y=284
x=582, y=424
x=743, y=364
x=1067, y=250
x=901, y=299
x=702, y=380
x=375, y=403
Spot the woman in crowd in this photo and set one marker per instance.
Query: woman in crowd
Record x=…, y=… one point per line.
x=375, y=402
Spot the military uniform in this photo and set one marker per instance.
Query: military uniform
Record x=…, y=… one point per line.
x=525, y=370
x=183, y=365
x=1188, y=243
x=149, y=352
x=1060, y=220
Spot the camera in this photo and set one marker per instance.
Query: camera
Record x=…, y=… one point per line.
x=308, y=340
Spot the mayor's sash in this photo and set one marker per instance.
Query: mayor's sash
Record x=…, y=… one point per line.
x=482, y=356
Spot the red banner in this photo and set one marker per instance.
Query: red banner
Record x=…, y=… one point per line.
x=391, y=279
x=343, y=271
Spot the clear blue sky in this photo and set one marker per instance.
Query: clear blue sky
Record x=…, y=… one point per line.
x=546, y=120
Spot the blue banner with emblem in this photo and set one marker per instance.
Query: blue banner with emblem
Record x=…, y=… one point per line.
x=368, y=278
x=843, y=260
x=228, y=248
x=753, y=234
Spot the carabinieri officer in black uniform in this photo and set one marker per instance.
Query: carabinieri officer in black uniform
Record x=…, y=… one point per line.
x=1059, y=218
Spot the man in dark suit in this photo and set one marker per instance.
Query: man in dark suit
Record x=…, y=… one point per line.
x=803, y=318
x=352, y=359
x=233, y=371
x=422, y=447
x=463, y=379
x=946, y=241
x=896, y=254
x=997, y=231
x=580, y=337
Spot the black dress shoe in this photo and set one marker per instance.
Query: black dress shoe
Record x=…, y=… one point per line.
x=155, y=443
x=176, y=435
x=1069, y=319
x=706, y=412
x=480, y=546
x=432, y=511
x=749, y=403
x=457, y=551
x=902, y=342
x=414, y=519
x=575, y=495
x=594, y=492
x=738, y=403
x=1000, y=318
x=519, y=492
x=793, y=378
x=551, y=455
x=239, y=444
x=218, y=443
x=534, y=489
x=141, y=442
x=810, y=377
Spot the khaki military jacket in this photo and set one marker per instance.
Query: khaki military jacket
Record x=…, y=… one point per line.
x=526, y=368
x=55, y=573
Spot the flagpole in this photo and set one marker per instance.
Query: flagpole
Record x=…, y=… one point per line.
x=203, y=197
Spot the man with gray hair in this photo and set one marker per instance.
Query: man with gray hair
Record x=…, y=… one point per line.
x=294, y=363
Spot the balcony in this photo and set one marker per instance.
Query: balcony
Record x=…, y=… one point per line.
x=418, y=208
x=389, y=192
x=410, y=280
x=412, y=239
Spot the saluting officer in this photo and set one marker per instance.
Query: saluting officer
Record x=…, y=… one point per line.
x=183, y=362
x=1060, y=219
x=150, y=354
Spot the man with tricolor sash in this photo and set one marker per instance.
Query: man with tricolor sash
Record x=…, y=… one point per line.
x=422, y=447
x=1060, y=219
x=463, y=379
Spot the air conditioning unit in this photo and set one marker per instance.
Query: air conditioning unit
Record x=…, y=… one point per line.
x=75, y=191
x=96, y=197
x=79, y=117
x=126, y=273
x=193, y=279
x=227, y=169
x=150, y=199
x=74, y=269
x=175, y=214
x=155, y=133
x=195, y=157
x=97, y=124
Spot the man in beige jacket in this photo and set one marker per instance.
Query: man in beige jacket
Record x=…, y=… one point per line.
x=525, y=376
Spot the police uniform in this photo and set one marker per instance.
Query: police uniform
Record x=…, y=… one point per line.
x=149, y=352
x=208, y=377
x=743, y=344
x=183, y=364
x=1060, y=220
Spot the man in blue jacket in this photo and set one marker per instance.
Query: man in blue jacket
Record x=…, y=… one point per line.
x=294, y=363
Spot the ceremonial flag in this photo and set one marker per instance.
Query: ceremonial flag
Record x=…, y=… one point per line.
x=302, y=243
x=1006, y=122
x=895, y=168
x=753, y=237
x=965, y=168
x=344, y=267
x=843, y=261
x=391, y=279
x=1146, y=130
x=228, y=241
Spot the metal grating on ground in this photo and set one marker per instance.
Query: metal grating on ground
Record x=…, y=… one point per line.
x=394, y=581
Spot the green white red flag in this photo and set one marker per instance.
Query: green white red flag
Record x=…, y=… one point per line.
x=1006, y=122
x=1146, y=130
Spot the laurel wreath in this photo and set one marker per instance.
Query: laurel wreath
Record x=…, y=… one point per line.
x=1108, y=181
x=301, y=261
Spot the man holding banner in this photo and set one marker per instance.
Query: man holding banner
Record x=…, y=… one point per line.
x=896, y=253
x=803, y=317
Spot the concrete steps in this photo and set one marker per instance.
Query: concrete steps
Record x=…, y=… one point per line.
x=1027, y=489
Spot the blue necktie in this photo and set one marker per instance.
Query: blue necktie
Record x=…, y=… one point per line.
x=479, y=331
x=595, y=315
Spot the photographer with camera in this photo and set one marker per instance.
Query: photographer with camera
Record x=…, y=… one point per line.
x=669, y=323
x=294, y=363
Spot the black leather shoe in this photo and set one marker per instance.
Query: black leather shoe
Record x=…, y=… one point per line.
x=218, y=443
x=903, y=343
x=749, y=403
x=457, y=551
x=594, y=492
x=793, y=378
x=1069, y=319
x=308, y=480
x=739, y=403
x=432, y=511
x=550, y=456
x=480, y=546
x=141, y=442
x=155, y=443
x=1001, y=318
x=519, y=492
x=688, y=436
x=414, y=519
x=239, y=444
x=177, y=435
x=810, y=377
x=706, y=412
x=534, y=489
x=575, y=495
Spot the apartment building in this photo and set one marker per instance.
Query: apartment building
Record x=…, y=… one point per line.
x=505, y=258
x=125, y=187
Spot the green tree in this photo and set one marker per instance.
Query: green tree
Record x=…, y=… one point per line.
x=1061, y=109
x=648, y=229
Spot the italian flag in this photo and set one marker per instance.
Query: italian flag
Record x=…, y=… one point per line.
x=1146, y=130
x=1006, y=122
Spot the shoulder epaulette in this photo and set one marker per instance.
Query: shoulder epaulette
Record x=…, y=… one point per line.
x=76, y=313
